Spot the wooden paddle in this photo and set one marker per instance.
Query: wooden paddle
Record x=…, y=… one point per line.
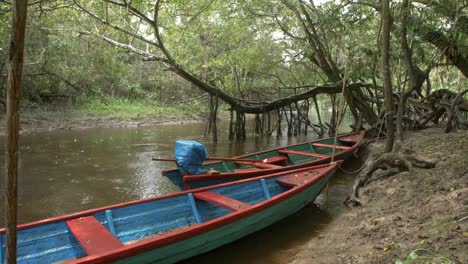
x=212, y=158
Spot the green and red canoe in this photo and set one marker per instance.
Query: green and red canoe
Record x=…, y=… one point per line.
x=172, y=227
x=292, y=157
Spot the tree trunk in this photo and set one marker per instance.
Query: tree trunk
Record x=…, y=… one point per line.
x=231, y=125
x=415, y=74
x=15, y=70
x=318, y=115
x=389, y=107
x=279, y=129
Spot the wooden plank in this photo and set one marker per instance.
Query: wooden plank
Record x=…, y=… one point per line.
x=298, y=179
x=194, y=208
x=265, y=189
x=260, y=165
x=303, y=153
x=320, y=145
x=247, y=170
x=110, y=222
x=221, y=200
x=93, y=237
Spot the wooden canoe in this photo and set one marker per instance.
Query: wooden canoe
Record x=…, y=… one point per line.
x=172, y=227
x=292, y=157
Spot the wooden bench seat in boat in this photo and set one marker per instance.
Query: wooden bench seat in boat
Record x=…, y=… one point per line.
x=320, y=145
x=298, y=179
x=303, y=153
x=221, y=200
x=93, y=237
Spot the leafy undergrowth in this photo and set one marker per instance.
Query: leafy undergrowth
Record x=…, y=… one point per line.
x=423, y=256
x=420, y=216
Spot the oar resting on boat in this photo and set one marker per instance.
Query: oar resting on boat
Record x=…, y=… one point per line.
x=171, y=227
x=291, y=157
x=209, y=158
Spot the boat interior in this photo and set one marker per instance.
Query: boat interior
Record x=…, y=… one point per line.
x=116, y=227
x=274, y=159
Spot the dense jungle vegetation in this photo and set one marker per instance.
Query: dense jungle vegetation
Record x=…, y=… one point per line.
x=292, y=66
x=259, y=57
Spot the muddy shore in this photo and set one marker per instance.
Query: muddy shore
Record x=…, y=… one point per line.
x=424, y=209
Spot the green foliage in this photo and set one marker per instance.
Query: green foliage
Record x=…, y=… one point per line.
x=237, y=45
x=424, y=256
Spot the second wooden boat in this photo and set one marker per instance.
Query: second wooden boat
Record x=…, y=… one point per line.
x=292, y=157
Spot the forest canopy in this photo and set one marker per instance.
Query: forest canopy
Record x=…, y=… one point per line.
x=256, y=56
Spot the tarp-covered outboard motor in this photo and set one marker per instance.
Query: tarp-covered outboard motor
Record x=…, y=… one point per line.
x=189, y=155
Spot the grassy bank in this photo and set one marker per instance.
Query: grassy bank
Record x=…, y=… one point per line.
x=119, y=107
x=124, y=108
x=110, y=112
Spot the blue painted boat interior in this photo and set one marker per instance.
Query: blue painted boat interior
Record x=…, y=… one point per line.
x=53, y=242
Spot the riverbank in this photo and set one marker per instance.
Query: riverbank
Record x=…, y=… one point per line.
x=424, y=209
x=61, y=118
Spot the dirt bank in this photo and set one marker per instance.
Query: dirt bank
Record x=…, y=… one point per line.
x=36, y=121
x=421, y=209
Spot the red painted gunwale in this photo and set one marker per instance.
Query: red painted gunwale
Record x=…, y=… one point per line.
x=320, y=145
x=350, y=137
x=166, y=239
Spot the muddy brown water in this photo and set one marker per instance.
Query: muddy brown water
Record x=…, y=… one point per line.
x=63, y=172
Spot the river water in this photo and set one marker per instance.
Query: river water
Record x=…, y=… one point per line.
x=63, y=172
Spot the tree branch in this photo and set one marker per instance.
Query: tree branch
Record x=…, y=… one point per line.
x=105, y=22
x=148, y=56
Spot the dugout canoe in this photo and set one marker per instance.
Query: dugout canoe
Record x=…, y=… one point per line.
x=172, y=227
x=292, y=157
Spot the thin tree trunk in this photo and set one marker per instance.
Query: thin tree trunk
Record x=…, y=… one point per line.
x=389, y=107
x=318, y=115
x=279, y=131
x=399, y=118
x=331, y=131
x=214, y=117
x=231, y=125
x=15, y=70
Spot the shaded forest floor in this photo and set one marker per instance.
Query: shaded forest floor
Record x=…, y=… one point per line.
x=421, y=209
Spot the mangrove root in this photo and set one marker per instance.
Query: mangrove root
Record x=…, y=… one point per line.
x=380, y=166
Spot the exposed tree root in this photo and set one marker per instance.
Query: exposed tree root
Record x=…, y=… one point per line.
x=379, y=166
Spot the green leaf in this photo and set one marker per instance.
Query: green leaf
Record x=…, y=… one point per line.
x=411, y=257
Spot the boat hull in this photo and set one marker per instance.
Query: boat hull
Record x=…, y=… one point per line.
x=172, y=227
x=229, y=233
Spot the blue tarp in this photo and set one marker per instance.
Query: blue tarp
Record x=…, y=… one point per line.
x=190, y=155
